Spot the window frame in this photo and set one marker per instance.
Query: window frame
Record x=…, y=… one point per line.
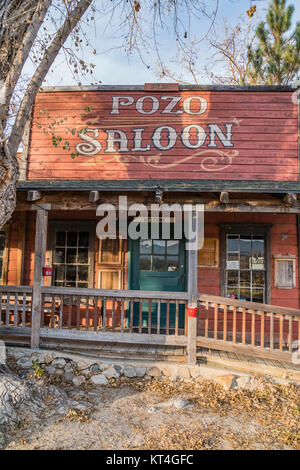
x=246, y=229
x=3, y=278
x=84, y=226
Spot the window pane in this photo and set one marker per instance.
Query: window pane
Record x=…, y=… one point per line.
x=84, y=239
x=173, y=247
x=258, y=295
x=82, y=285
x=71, y=255
x=2, y=243
x=59, y=273
x=59, y=255
x=172, y=263
x=159, y=247
x=232, y=278
x=83, y=255
x=258, y=254
x=232, y=243
x=145, y=263
x=83, y=273
x=60, y=238
x=146, y=247
x=245, y=253
x=232, y=293
x=72, y=239
x=245, y=294
x=71, y=273
x=1, y=267
x=258, y=278
x=245, y=278
x=158, y=263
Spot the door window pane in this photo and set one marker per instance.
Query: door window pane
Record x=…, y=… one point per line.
x=172, y=263
x=146, y=247
x=173, y=247
x=158, y=263
x=159, y=247
x=145, y=263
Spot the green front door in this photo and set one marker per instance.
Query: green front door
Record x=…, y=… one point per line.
x=158, y=265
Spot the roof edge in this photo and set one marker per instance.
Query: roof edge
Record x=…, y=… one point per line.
x=232, y=88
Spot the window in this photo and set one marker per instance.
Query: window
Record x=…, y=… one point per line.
x=285, y=272
x=245, y=264
x=73, y=256
x=159, y=255
x=3, y=255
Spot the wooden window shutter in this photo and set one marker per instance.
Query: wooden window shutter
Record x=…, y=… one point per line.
x=208, y=256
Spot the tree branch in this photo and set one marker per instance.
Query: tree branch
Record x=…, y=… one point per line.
x=47, y=60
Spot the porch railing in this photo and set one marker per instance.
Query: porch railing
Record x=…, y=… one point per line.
x=114, y=314
x=247, y=327
x=149, y=317
x=16, y=306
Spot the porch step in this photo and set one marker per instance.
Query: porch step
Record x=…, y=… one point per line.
x=120, y=350
x=242, y=363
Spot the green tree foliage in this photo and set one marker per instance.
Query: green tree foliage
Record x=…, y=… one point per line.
x=275, y=57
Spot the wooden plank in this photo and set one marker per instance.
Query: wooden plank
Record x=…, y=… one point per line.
x=249, y=350
x=39, y=260
x=248, y=305
x=101, y=336
x=137, y=294
x=192, y=285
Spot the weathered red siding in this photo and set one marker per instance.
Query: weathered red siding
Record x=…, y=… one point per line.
x=264, y=136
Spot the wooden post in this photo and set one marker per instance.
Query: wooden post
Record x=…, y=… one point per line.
x=39, y=259
x=192, y=293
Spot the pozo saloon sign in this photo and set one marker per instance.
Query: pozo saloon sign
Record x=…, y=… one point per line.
x=119, y=133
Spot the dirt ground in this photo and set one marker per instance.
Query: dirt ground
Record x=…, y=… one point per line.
x=135, y=414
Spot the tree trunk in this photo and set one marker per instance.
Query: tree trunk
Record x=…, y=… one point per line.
x=9, y=174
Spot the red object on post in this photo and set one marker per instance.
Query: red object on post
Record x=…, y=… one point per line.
x=47, y=271
x=192, y=311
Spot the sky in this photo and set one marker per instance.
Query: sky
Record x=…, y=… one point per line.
x=114, y=67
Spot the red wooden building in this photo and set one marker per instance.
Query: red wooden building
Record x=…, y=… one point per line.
x=233, y=149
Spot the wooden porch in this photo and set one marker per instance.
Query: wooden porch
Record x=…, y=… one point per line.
x=106, y=322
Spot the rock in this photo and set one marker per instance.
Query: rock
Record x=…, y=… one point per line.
x=59, y=372
x=227, y=381
x=78, y=380
x=25, y=362
x=111, y=373
x=179, y=403
x=99, y=379
x=154, y=372
x=48, y=360
x=183, y=372
x=68, y=376
x=141, y=371
x=94, y=368
x=129, y=371
x=59, y=362
x=118, y=369
x=85, y=371
x=242, y=382
x=195, y=372
x=50, y=370
x=2, y=440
